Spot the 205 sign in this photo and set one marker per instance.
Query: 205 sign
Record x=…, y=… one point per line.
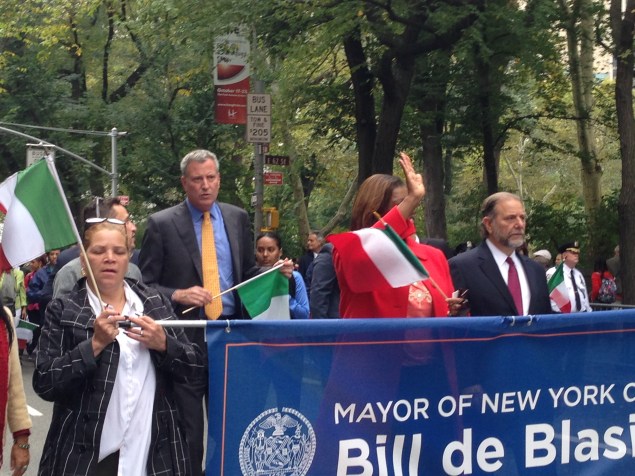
x=259, y=129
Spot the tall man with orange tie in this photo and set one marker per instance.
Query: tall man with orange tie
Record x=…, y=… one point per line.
x=499, y=280
x=190, y=252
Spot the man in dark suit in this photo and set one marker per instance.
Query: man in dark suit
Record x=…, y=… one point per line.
x=171, y=262
x=498, y=279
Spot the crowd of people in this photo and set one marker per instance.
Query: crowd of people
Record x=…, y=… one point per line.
x=101, y=355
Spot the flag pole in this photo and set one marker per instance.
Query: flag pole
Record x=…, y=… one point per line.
x=278, y=266
x=91, y=277
x=429, y=278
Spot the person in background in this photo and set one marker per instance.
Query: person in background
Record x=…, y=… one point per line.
x=13, y=292
x=35, y=295
x=324, y=298
x=268, y=253
x=543, y=258
x=463, y=247
x=13, y=407
x=33, y=308
x=558, y=259
x=573, y=278
x=35, y=290
x=65, y=279
x=396, y=202
x=314, y=244
x=112, y=388
x=600, y=272
x=613, y=264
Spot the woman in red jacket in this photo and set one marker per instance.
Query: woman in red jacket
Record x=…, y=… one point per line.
x=396, y=202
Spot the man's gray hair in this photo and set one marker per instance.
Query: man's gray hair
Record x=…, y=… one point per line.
x=198, y=155
x=489, y=205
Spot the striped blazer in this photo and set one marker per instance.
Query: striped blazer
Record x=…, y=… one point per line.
x=80, y=386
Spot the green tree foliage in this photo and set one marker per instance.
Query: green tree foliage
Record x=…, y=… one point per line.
x=455, y=84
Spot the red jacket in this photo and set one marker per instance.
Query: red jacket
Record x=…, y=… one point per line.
x=393, y=302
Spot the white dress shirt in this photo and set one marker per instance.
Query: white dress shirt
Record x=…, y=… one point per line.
x=500, y=259
x=128, y=422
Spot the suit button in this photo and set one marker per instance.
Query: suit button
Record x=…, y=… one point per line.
x=86, y=417
x=81, y=449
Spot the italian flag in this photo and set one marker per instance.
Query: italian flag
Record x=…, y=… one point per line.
x=266, y=297
x=36, y=215
x=24, y=330
x=372, y=258
x=558, y=290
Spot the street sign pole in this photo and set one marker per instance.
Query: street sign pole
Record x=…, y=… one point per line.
x=259, y=88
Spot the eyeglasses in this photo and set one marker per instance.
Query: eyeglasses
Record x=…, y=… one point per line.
x=95, y=220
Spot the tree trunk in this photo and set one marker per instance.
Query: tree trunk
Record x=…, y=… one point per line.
x=430, y=100
x=623, y=32
x=363, y=83
x=433, y=179
x=300, y=205
x=579, y=26
x=488, y=124
x=396, y=78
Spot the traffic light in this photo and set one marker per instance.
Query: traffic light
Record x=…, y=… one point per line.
x=270, y=219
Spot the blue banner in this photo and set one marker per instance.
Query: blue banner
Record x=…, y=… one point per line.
x=542, y=395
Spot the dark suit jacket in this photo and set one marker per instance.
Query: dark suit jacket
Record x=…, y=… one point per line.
x=170, y=258
x=325, y=290
x=488, y=294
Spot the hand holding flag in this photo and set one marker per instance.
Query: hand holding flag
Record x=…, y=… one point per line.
x=266, y=296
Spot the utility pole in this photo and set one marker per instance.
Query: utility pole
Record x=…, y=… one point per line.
x=113, y=174
x=113, y=150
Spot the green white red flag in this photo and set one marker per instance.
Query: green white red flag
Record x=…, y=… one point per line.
x=36, y=215
x=266, y=297
x=558, y=291
x=373, y=258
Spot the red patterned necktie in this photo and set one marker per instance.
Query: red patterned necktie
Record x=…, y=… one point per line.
x=513, y=283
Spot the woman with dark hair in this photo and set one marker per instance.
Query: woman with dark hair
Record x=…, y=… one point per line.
x=109, y=368
x=268, y=253
x=13, y=408
x=396, y=202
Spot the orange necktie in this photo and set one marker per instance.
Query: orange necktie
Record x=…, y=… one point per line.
x=211, y=279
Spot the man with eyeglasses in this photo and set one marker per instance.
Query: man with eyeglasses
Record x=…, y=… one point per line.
x=98, y=210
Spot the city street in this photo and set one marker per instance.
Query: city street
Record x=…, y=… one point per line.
x=40, y=412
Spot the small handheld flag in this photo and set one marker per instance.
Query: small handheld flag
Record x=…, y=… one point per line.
x=558, y=292
x=266, y=297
